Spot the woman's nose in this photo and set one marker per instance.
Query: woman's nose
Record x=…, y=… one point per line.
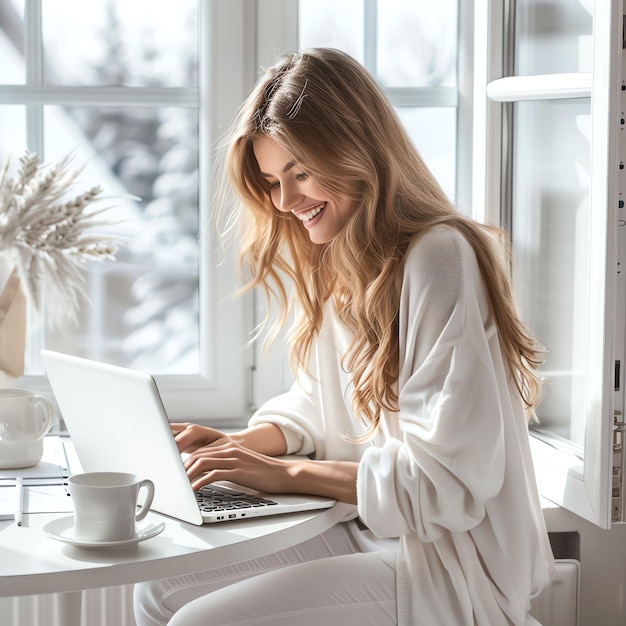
x=289, y=198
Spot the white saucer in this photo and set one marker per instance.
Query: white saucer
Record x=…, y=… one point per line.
x=62, y=529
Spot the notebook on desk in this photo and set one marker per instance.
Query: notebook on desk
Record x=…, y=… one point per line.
x=117, y=422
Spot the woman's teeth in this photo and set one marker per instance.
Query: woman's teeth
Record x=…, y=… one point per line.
x=305, y=217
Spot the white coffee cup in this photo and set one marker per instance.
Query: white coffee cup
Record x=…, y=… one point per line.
x=24, y=420
x=105, y=505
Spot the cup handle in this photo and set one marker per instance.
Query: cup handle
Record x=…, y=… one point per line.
x=145, y=507
x=48, y=420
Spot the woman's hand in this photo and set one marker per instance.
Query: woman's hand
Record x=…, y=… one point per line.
x=244, y=457
x=225, y=459
x=247, y=458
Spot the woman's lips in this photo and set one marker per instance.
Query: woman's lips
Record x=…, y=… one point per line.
x=308, y=214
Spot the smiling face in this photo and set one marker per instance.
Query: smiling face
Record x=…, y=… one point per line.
x=293, y=191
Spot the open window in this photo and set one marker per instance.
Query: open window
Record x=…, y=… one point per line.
x=548, y=166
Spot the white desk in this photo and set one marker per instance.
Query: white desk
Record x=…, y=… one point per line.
x=32, y=563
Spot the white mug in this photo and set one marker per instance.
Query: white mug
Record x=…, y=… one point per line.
x=105, y=505
x=24, y=420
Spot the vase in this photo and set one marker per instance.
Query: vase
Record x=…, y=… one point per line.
x=12, y=329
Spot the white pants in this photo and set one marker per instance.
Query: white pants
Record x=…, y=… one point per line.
x=327, y=580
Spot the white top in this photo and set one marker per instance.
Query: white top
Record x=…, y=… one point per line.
x=451, y=473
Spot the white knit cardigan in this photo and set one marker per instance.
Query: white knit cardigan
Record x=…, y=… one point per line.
x=450, y=474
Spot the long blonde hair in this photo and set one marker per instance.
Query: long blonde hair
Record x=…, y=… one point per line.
x=326, y=111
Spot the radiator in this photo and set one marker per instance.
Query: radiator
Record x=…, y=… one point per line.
x=556, y=606
x=111, y=606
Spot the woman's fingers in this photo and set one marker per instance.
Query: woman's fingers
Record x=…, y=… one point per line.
x=210, y=468
x=178, y=426
x=189, y=437
x=235, y=463
x=214, y=457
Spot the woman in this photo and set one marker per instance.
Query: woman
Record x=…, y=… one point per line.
x=414, y=378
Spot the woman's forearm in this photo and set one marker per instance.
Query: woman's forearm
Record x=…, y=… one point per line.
x=330, y=479
x=264, y=438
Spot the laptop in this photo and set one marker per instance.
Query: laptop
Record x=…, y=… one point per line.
x=117, y=422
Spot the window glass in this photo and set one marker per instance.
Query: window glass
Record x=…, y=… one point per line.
x=417, y=43
x=550, y=231
x=140, y=43
x=433, y=131
x=553, y=37
x=12, y=42
x=13, y=133
x=332, y=24
x=142, y=309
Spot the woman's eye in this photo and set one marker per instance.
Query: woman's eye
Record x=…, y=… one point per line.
x=302, y=176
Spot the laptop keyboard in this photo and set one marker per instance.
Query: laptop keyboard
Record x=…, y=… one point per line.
x=215, y=498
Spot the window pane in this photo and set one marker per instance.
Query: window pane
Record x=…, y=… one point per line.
x=417, y=43
x=120, y=42
x=13, y=133
x=550, y=243
x=433, y=131
x=332, y=24
x=553, y=37
x=144, y=307
x=12, y=42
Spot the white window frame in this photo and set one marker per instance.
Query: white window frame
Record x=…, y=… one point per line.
x=583, y=487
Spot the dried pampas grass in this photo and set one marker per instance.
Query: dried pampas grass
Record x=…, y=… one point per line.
x=48, y=237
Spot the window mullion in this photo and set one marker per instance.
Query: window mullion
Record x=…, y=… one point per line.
x=34, y=74
x=487, y=127
x=370, y=41
x=34, y=43
x=422, y=96
x=465, y=109
x=100, y=96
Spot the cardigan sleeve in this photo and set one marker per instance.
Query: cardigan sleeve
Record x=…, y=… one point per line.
x=296, y=413
x=450, y=458
x=315, y=415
